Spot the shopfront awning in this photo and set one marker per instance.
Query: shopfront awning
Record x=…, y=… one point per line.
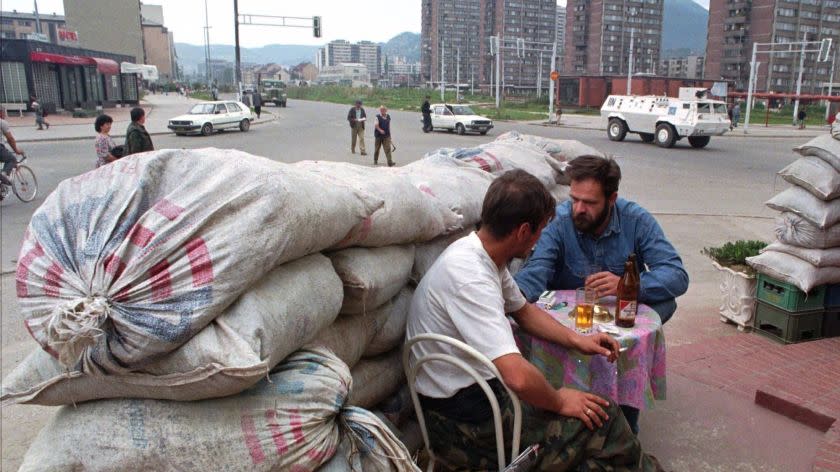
x=146, y=71
x=61, y=59
x=106, y=66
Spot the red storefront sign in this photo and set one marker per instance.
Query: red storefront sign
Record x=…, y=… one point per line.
x=64, y=35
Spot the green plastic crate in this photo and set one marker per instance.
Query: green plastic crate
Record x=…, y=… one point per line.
x=787, y=296
x=831, y=323
x=788, y=327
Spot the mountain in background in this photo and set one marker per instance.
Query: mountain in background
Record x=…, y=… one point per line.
x=404, y=44
x=684, y=27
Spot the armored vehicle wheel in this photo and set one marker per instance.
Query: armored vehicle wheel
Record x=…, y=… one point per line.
x=646, y=137
x=699, y=141
x=616, y=130
x=666, y=136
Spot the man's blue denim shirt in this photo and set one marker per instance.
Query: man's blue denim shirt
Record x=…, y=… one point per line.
x=563, y=256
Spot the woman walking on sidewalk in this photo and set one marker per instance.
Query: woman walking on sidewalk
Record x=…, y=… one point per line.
x=39, y=113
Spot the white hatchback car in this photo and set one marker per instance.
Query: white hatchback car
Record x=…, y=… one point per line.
x=459, y=118
x=207, y=117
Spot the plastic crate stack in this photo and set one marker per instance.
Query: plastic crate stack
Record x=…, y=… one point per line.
x=798, y=298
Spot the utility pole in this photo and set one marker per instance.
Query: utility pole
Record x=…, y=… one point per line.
x=37, y=19
x=498, y=69
x=799, y=80
x=750, y=88
x=458, y=76
x=472, y=80
x=237, y=73
x=207, y=46
x=553, y=83
x=442, y=71
x=539, y=79
x=630, y=64
x=830, y=85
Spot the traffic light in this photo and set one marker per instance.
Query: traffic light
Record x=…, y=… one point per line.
x=316, y=26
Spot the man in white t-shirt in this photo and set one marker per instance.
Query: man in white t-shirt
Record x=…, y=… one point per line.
x=466, y=295
x=6, y=157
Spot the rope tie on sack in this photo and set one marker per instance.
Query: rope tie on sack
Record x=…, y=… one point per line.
x=366, y=432
x=74, y=327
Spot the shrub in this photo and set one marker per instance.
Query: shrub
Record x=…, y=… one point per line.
x=734, y=254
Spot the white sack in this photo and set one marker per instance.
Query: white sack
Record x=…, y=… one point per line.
x=460, y=188
x=127, y=262
x=407, y=216
x=815, y=175
x=500, y=156
x=797, y=231
x=372, y=276
x=287, y=423
x=392, y=331
x=376, y=379
x=268, y=322
x=823, y=146
x=816, y=257
x=427, y=253
x=800, y=201
x=793, y=270
x=350, y=335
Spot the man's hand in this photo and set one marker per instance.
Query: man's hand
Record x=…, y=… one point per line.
x=604, y=283
x=598, y=343
x=586, y=407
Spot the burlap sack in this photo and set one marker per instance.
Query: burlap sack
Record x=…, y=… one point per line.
x=797, y=231
x=392, y=332
x=376, y=379
x=815, y=175
x=371, y=276
x=793, y=270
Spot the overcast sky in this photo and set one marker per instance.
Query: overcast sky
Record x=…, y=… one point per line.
x=374, y=20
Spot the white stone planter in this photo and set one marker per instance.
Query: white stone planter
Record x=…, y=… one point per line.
x=737, y=291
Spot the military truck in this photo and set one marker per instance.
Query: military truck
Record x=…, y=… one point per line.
x=666, y=120
x=273, y=91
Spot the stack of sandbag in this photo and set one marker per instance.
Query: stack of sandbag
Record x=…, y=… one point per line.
x=294, y=420
x=807, y=253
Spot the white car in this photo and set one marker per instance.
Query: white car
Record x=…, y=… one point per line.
x=459, y=118
x=207, y=117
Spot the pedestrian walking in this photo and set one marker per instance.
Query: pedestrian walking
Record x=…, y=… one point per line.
x=382, y=133
x=729, y=114
x=256, y=98
x=426, y=110
x=39, y=113
x=736, y=113
x=137, y=139
x=800, y=117
x=357, y=117
x=106, y=151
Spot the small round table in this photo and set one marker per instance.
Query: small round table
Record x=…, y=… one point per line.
x=636, y=379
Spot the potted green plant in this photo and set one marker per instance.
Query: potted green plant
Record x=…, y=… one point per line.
x=737, y=280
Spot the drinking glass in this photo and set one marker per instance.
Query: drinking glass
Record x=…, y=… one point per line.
x=584, y=308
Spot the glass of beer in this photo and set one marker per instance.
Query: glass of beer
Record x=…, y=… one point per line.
x=585, y=302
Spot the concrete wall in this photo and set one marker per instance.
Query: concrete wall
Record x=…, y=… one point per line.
x=158, y=50
x=107, y=25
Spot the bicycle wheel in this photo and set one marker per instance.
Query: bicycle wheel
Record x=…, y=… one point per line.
x=24, y=183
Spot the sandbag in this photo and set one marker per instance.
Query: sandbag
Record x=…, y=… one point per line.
x=392, y=332
x=427, y=253
x=817, y=257
x=369, y=444
x=797, y=231
x=823, y=146
x=815, y=175
x=267, y=323
x=407, y=216
x=376, y=379
x=800, y=201
x=460, y=188
x=500, y=156
x=371, y=276
x=285, y=423
x=350, y=335
x=562, y=151
x=127, y=262
x=793, y=270
x=397, y=408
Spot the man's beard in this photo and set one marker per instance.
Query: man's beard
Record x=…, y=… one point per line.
x=584, y=225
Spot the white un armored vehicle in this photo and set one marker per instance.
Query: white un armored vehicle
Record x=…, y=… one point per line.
x=666, y=120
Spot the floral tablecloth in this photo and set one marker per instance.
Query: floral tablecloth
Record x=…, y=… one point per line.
x=636, y=379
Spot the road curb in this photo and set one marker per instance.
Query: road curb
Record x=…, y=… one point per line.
x=728, y=135
x=81, y=138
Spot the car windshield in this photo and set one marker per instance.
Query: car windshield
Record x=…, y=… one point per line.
x=202, y=109
x=720, y=108
x=462, y=110
x=703, y=107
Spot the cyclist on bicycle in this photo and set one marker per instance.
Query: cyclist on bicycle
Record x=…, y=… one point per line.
x=6, y=157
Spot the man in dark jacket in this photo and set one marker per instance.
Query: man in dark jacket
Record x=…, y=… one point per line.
x=382, y=133
x=256, y=98
x=356, y=117
x=426, y=110
x=137, y=139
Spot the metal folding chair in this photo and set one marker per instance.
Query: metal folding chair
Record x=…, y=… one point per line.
x=411, y=374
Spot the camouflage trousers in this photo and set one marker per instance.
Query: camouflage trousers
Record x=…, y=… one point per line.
x=565, y=443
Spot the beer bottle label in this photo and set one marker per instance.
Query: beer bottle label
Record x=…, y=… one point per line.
x=627, y=309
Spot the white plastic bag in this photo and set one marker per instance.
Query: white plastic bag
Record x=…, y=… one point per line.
x=803, y=203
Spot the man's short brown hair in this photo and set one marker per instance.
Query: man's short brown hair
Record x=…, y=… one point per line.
x=514, y=198
x=605, y=171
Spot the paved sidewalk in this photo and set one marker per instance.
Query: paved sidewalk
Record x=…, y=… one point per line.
x=756, y=130
x=159, y=109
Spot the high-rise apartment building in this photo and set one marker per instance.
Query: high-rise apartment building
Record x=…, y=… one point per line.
x=687, y=67
x=158, y=42
x=342, y=52
x=14, y=25
x=598, y=36
x=455, y=41
x=735, y=25
x=561, y=34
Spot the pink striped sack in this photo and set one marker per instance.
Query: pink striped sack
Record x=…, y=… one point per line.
x=127, y=262
x=288, y=422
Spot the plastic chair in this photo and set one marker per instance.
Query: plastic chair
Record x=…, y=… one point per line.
x=411, y=374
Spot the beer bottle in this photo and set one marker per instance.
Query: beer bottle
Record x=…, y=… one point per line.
x=628, y=294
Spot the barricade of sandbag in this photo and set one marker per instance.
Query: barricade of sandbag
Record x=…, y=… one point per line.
x=377, y=378
x=427, y=253
x=370, y=443
x=808, y=230
x=460, y=188
x=391, y=333
x=372, y=276
x=129, y=261
x=269, y=321
x=407, y=215
x=350, y=336
x=286, y=422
